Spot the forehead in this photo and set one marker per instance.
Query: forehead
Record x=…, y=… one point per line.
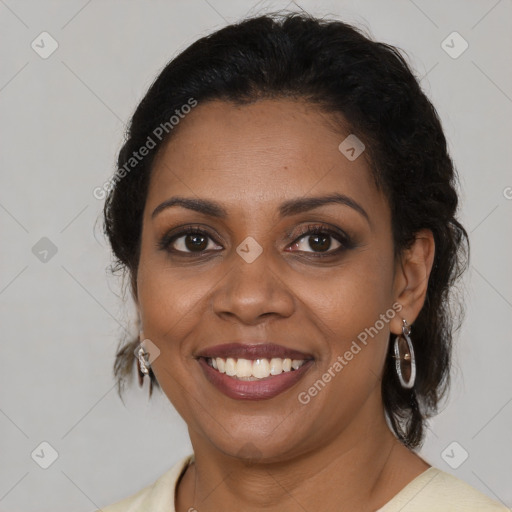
x=266, y=151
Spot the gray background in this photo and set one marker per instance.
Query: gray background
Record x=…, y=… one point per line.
x=62, y=120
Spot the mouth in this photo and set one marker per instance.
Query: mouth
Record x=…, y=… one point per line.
x=247, y=370
x=253, y=372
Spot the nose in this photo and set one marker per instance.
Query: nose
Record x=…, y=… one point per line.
x=253, y=292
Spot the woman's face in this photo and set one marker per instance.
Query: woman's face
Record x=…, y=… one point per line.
x=255, y=277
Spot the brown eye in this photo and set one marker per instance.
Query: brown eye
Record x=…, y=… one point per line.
x=318, y=239
x=317, y=243
x=189, y=241
x=195, y=242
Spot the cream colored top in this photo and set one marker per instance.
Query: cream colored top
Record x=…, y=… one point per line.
x=431, y=491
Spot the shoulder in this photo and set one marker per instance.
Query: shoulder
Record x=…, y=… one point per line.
x=437, y=491
x=156, y=497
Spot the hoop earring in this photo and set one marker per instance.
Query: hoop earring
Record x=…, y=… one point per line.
x=409, y=357
x=143, y=357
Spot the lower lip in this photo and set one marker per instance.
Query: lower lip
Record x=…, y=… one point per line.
x=253, y=389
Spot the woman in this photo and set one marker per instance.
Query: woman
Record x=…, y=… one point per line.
x=285, y=207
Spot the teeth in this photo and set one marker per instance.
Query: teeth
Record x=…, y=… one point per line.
x=230, y=367
x=246, y=369
x=243, y=368
x=296, y=364
x=276, y=366
x=260, y=368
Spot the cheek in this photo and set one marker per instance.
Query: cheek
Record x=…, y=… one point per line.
x=170, y=308
x=351, y=297
x=353, y=309
x=170, y=303
x=345, y=299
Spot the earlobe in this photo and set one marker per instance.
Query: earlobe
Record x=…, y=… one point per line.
x=412, y=277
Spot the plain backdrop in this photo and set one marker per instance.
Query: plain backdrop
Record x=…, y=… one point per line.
x=62, y=120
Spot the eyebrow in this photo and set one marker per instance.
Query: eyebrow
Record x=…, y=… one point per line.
x=288, y=208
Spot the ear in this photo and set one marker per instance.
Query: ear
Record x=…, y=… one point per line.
x=412, y=274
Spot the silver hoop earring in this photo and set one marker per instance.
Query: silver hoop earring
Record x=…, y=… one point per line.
x=408, y=357
x=143, y=357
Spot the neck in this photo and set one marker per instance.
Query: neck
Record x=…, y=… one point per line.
x=365, y=464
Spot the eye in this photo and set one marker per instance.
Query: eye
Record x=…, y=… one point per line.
x=190, y=240
x=319, y=239
x=314, y=239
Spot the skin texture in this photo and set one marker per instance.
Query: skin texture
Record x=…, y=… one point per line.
x=277, y=454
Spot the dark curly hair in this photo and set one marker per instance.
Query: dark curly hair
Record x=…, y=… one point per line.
x=338, y=68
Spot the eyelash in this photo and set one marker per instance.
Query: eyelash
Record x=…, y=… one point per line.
x=310, y=230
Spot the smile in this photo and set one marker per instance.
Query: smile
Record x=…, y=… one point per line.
x=253, y=372
x=245, y=369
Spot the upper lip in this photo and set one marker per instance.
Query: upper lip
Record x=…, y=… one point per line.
x=253, y=351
